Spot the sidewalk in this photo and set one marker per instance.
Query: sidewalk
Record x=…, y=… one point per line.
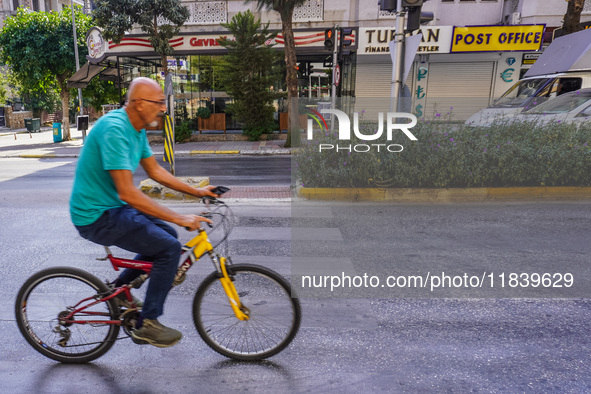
x=20, y=143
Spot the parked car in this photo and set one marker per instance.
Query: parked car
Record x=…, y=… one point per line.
x=573, y=107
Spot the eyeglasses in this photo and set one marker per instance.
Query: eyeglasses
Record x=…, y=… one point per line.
x=160, y=102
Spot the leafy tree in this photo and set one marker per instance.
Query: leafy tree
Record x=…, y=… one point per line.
x=572, y=18
x=100, y=92
x=250, y=73
x=118, y=16
x=3, y=85
x=38, y=47
x=285, y=9
x=41, y=100
x=211, y=71
x=37, y=100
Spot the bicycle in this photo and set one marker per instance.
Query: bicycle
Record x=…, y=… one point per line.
x=242, y=311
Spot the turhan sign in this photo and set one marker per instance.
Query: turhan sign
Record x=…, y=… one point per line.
x=374, y=40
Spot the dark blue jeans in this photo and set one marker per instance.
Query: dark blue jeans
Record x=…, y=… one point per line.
x=152, y=239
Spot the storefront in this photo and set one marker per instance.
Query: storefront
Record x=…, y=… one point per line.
x=198, y=65
x=457, y=70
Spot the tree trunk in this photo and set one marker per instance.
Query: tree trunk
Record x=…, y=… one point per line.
x=572, y=18
x=291, y=79
x=164, y=64
x=65, y=98
x=163, y=58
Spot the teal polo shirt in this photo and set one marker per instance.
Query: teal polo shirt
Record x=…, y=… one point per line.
x=112, y=144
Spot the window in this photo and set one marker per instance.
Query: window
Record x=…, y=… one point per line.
x=561, y=104
x=47, y=5
x=15, y=5
x=35, y=5
x=519, y=93
x=566, y=85
x=205, y=13
x=311, y=10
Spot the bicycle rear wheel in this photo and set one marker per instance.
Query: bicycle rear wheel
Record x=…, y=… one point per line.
x=50, y=295
x=274, y=316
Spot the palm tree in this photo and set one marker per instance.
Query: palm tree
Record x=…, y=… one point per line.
x=572, y=18
x=285, y=9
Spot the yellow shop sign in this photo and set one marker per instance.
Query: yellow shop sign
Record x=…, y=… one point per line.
x=497, y=38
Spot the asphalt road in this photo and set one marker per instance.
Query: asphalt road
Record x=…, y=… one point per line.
x=235, y=170
x=356, y=341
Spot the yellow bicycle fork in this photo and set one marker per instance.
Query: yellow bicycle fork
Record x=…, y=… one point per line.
x=202, y=245
x=231, y=292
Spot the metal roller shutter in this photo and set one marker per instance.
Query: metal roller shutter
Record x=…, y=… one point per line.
x=373, y=86
x=458, y=90
x=374, y=79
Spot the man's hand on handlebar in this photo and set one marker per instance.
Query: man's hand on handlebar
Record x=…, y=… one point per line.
x=207, y=191
x=212, y=192
x=192, y=222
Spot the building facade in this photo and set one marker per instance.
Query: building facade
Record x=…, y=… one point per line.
x=452, y=73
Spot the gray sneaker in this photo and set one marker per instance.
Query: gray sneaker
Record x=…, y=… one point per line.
x=153, y=333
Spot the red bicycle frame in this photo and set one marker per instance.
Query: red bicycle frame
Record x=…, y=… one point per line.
x=117, y=263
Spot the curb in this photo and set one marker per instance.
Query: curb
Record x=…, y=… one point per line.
x=266, y=152
x=216, y=152
x=50, y=156
x=448, y=195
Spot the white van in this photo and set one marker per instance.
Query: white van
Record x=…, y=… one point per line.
x=564, y=66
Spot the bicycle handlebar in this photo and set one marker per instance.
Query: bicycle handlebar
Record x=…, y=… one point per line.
x=209, y=200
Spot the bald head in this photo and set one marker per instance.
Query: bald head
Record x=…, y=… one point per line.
x=145, y=102
x=143, y=88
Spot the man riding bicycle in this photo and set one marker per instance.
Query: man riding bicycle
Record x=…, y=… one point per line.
x=108, y=209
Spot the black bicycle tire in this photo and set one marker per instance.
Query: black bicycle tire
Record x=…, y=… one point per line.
x=61, y=272
x=236, y=268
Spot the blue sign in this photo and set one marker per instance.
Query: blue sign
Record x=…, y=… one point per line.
x=510, y=60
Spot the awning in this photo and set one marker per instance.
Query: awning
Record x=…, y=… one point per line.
x=567, y=53
x=82, y=77
x=109, y=74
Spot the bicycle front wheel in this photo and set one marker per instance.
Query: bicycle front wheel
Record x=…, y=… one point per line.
x=48, y=297
x=274, y=316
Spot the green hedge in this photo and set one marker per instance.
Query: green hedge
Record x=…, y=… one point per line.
x=517, y=154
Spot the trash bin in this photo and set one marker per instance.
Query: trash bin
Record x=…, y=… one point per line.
x=36, y=125
x=57, y=132
x=29, y=124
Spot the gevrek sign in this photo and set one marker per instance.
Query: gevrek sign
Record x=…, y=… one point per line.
x=371, y=140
